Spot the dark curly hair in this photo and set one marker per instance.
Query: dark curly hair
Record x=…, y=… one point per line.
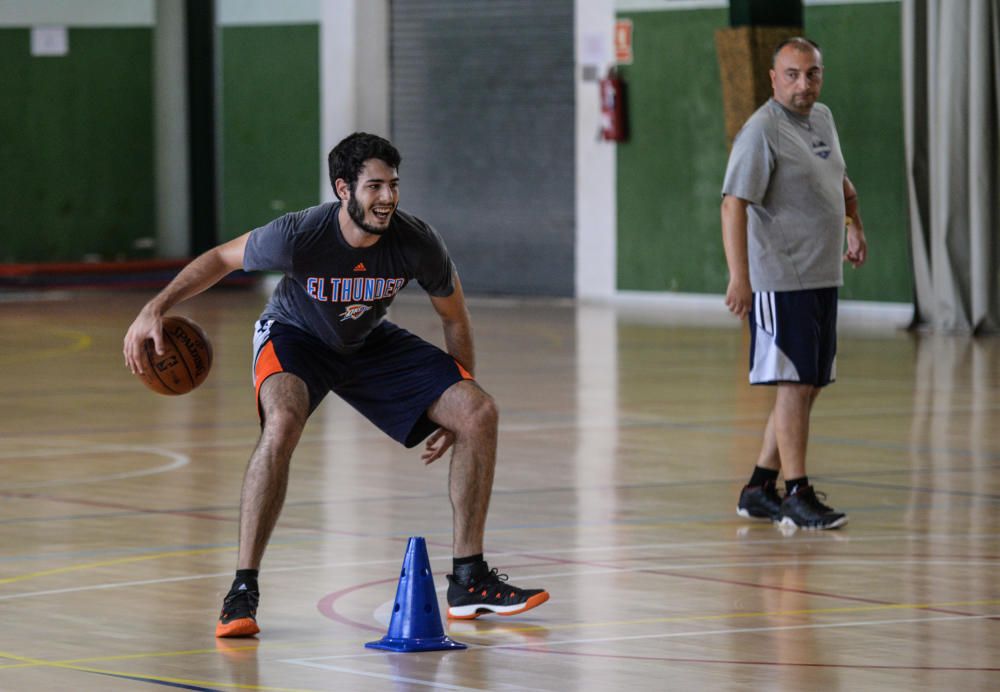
x=348, y=158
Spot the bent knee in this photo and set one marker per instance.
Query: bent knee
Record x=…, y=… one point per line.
x=283, y=421
x=480, y=413
x=486, y=412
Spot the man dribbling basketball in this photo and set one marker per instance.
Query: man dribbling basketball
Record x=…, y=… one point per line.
x=324, y=329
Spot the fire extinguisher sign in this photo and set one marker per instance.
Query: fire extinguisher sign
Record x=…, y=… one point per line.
x=623, y=41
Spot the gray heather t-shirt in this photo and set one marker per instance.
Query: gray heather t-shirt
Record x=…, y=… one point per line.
x=790, y=168
x=336, y=292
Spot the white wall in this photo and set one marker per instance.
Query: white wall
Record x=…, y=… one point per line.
x=23, y=13
x=353, y=73
x=595, y=175
x=269, y=12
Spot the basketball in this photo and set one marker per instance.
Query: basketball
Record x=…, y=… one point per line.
x=186, y=358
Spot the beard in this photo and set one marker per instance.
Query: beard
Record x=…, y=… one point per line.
x=357, y=215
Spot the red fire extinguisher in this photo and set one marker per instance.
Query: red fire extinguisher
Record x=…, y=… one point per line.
x=614, y=120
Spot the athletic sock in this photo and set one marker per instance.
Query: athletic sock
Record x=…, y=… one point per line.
x=245, y=579
x=469, y=568
x=791, y=486
x=762, y=475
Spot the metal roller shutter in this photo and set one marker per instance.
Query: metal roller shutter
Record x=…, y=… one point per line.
x=482, y=95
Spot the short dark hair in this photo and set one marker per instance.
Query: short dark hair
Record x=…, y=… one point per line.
x=348, y=158
x=801, y=43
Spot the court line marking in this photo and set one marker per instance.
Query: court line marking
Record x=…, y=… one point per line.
x=78, y=341
x=631, y=421
x=393, y=678
x=141, y=677
x=106, y=563
x=188, y=652
x=498, y=553
x=692, y=633
x=179, y=460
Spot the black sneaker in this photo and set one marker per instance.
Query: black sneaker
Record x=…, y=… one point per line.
x=802, y=509
x=760, y=502
x=239, y=613
x=491, y=594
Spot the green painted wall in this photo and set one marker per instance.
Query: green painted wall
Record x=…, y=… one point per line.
x=671, y=170
x=76, y=150
x=77, y=145
x=270, y=117
x=863, y=84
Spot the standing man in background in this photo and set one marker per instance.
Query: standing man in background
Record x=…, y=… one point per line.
x=785, y=198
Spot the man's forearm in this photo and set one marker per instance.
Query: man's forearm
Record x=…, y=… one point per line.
x=200, y=274
x=734, y=237
x=851, y=204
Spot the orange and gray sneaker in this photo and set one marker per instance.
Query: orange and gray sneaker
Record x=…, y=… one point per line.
x=239, y=613
x=490, y=594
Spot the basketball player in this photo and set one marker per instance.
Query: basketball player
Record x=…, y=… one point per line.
x=785, y=197
x=324, y=329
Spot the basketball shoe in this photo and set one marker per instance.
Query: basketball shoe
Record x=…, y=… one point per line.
x=760, y=502
x=804, y=510
x=239, y=613
x=490, y=593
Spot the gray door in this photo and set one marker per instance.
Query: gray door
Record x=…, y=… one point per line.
x=482, y=112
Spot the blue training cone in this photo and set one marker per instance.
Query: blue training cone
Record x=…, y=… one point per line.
x=416, y=620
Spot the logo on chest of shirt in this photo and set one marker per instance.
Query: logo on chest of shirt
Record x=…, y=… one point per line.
x=353, y=312
x=821, y=148
x=337, y=289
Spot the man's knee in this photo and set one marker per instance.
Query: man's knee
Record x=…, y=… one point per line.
x=284, y=404
x=479, y=411
x=485, y=413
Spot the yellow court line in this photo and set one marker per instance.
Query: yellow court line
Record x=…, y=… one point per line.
x=81, y=342
x=188, y=652
x=140, y=676
x=106, y=563
x=25, y=662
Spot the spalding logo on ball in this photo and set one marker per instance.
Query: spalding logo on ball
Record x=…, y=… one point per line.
x=185, y=361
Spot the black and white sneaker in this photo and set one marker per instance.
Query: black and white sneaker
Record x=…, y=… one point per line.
x=760, y=502
x=490, y=594
x=803, y=509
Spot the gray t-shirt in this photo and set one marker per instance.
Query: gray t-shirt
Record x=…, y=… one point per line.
x=336, y=292
x=790, y=168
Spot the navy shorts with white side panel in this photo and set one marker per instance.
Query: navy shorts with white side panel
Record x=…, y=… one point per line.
x=793, y=337
x=392, y=380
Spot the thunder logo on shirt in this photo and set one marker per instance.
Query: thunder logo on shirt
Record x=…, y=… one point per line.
x=345, y=289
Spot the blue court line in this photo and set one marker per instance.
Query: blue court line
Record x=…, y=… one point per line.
x=830, y=477
x=154, y=681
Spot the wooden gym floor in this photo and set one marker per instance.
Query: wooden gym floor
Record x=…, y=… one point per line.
x=625, y=439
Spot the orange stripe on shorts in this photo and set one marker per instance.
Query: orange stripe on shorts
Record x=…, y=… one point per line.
x=267, y=364
x=465, y=373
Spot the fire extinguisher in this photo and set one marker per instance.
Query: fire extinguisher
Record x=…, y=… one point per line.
x=614, y=120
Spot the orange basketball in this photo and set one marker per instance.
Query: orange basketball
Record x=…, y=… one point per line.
x=186, y=358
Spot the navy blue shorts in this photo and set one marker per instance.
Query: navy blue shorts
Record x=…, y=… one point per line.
x=793, y=337
x=392, y=380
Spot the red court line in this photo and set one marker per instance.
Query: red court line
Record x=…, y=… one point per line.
x=734, y=582
x=328, y=604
